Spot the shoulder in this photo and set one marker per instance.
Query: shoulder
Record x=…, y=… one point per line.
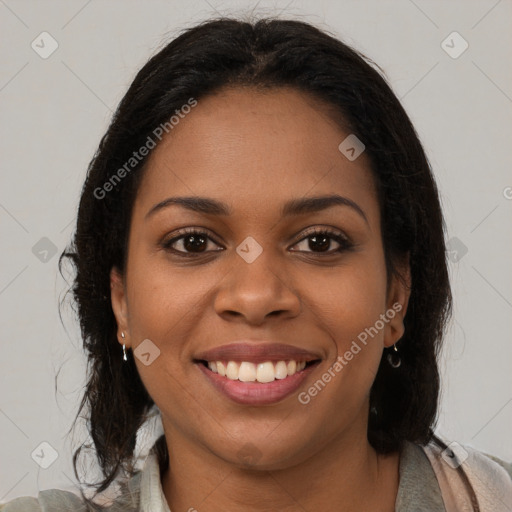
x=459, y=465
x=507, y=466
x=50, y=499
x=57, y=500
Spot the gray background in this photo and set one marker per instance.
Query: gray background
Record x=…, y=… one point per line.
x=55, y=110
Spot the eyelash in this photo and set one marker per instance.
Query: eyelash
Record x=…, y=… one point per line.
x=341, y=239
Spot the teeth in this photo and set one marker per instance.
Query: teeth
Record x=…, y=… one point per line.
x=221, y=369
x=247, y=372
x=232, y=370
x=282, y=370
x=265, y=372
x=250, y=372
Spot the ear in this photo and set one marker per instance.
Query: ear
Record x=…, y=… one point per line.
x=399, y=291
x=119, y=305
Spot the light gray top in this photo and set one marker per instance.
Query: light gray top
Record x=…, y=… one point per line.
x=418, y=490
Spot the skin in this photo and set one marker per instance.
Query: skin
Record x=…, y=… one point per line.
x=254, y=151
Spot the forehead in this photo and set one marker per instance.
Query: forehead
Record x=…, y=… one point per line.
x=255, y=149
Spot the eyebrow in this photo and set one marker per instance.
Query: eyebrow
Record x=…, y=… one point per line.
x=300, y=206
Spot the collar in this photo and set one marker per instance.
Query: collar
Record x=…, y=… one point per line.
x=418, y=489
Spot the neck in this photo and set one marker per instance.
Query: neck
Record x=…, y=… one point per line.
x=346, y=475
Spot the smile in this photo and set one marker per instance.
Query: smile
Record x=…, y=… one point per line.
x=273, y=387
x=256, y=373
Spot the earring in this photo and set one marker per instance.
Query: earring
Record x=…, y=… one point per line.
x=394, y=358
x=124, y=348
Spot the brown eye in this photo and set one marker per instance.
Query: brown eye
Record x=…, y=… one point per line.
x=191, y=241
x=321, y=241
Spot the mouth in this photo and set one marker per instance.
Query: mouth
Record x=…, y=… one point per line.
x=260, y=374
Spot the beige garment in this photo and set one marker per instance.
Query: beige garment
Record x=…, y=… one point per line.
x=490, y=478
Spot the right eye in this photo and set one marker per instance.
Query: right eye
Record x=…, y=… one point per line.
x=189, y=242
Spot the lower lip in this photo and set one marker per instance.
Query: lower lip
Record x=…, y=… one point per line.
x=257, y=393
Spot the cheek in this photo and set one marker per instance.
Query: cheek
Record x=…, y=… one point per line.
x=164, y=301
x=167, y=305
x=348, y=306
x=349, y=300
x=164, y=306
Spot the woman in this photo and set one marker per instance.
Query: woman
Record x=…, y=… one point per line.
x=260, y=257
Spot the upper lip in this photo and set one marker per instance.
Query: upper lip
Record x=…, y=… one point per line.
x=256, y=353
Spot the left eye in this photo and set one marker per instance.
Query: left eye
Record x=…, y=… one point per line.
x=320, y=241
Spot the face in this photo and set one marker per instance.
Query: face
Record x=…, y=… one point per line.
x=247, y=272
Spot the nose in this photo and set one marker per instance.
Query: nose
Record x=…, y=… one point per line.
x=256, y=291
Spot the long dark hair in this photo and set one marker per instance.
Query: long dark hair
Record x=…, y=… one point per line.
x=269, y=53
